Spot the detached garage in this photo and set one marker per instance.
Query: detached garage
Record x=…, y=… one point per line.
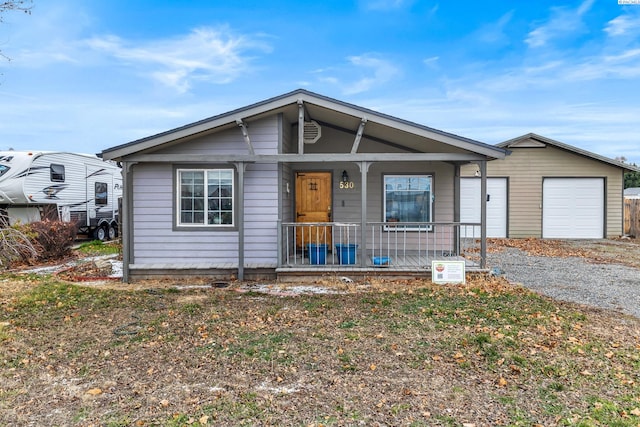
x=554, y=190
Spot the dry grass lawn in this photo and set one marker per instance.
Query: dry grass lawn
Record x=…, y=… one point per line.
x=404, y=353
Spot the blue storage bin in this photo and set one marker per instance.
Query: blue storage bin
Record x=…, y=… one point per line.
x=317, y=253
x=346, y=253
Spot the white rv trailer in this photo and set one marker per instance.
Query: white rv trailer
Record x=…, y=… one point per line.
x=71, y=187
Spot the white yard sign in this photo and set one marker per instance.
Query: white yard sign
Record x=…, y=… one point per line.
x=447, y=272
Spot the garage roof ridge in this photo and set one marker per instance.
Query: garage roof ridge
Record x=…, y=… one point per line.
x=561, y=145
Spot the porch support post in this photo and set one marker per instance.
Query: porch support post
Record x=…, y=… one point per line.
x=356, y=141
x=483, y=213
x=126, y=219
x=240, y=166
x=245, y=135
x=456, y=205
x=364, y=169
x=300, y=127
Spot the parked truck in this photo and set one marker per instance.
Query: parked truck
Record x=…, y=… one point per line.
x=71, y=187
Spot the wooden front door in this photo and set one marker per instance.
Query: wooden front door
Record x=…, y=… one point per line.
x=313, y=204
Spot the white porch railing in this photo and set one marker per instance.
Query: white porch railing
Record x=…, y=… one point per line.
x=405, y=246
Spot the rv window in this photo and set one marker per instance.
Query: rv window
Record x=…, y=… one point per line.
x=101, y=193
x=205, y=197
x=3, y=169
x=57, y=173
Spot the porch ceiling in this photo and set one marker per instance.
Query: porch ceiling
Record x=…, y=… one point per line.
x=376, y=129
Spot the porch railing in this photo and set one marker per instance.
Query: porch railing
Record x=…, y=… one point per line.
x=334, y=245
x=312, y=243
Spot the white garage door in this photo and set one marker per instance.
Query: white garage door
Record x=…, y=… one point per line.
x=496, y=206
x=573, y=208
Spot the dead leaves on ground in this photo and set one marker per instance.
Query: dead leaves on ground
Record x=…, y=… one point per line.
x=604, y=251
x=540, y=247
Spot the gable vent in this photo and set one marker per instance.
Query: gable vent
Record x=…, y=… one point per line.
x=312, y=132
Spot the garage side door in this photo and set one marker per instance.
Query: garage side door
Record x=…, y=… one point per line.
x=573, y=208
x=496, y=206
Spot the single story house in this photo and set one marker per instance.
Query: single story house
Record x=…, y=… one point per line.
x=548, y=189
x=297, y=184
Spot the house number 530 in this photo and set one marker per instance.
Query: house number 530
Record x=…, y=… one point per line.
x=347, y=184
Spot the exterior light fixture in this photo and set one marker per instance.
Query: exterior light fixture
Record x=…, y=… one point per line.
x=345, y=176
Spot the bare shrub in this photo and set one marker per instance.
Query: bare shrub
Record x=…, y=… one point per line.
x=15, y=245
x=53, y=239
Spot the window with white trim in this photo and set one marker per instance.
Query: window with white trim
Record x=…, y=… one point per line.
x=205, y=197
x=408, y=198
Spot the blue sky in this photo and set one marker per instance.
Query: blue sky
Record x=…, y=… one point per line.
x=86, y=76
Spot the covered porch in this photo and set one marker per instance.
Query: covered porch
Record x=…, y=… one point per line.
x=383, y=247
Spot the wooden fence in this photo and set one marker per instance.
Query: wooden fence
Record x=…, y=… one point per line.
x=632, y=217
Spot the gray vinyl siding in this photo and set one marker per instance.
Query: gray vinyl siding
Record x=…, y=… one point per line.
x=157, y=241
x=263, y=134
x=154, y=239
x=526, y=168
x=261, y=214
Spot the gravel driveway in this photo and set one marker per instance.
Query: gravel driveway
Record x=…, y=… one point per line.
x=608, y=286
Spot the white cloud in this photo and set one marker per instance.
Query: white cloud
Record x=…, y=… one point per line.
x=205, y=54
x=563, y=22
x=624, y=29
x=620, y=25
x=360, y=74
x=385, y=4
x=494, y=32
x=431, y=62
x=378, y=70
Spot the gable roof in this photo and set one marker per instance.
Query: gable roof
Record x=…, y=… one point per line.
x=317, y=107
x=534, y=140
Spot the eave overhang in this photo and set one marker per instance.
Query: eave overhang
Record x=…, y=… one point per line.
x=378, y=124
